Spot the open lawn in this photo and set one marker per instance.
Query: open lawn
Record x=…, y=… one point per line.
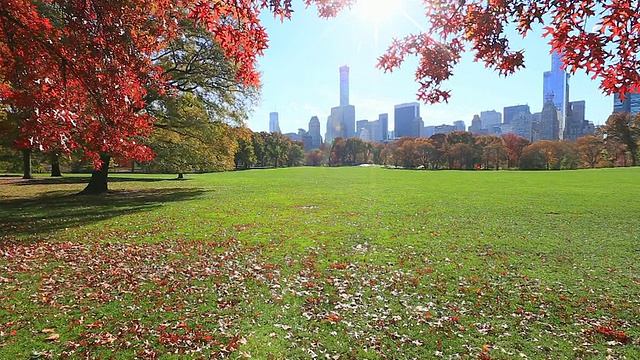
x=333, y=263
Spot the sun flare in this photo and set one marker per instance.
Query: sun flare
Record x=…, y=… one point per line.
x=377, y=10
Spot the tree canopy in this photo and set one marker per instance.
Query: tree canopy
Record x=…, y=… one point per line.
x=600, y=37
x=76, y=74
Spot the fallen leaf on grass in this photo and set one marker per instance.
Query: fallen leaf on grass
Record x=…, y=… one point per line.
x=46, y=331
x=53, y=337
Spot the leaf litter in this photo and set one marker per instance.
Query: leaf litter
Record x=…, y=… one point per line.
x=206, y=299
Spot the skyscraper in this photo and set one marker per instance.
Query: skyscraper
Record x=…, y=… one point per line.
x=476, y=125
x=377, y=129
x=511, y=111
x=361, y=125
x=344, y=85
x=306, y=139
x=314, y=132
x=417, y=127
x=521, y=124
x=459, y=125
x=374, y=130
x=274, y=125
x=630, y=104
x=517, y=120
x=384, y=127
x=342, y=121
x=549, y=121
x=535, y=126
x=328, y=135
x=404, y=116
x=575, y=120
x=556, y=84
x=490, y=118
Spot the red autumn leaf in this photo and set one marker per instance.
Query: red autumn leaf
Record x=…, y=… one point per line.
x=616, y=335
x=333, y=318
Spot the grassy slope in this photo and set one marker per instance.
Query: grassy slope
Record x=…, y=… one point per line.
x=355, y=262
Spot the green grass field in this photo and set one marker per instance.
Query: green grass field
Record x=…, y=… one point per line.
x=333, y=263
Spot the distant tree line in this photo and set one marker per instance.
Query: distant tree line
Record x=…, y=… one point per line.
x=262, y=149
x=616, y=144
x=193, y=146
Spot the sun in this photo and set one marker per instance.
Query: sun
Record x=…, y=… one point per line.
x=377, y=11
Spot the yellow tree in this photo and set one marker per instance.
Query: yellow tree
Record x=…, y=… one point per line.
x=543, y=154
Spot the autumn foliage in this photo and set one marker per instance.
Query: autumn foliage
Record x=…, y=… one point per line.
x=466, y=151
x=75, y=75
x=600, y=37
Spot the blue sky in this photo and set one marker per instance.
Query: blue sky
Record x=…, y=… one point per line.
x=300, y=76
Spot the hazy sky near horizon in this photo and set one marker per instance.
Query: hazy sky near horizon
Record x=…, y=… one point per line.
x=300, y=71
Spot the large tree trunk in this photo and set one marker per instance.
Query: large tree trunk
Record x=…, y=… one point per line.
x=180, y=176
x=55, y=165
x=26, y=164
x=98, y=182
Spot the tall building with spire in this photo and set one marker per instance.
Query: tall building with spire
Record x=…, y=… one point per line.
x=274, y=125
x=556, y=84
x=344, y=85
x=342, y=121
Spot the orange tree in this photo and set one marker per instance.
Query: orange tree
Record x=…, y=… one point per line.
x=590, y=149
x=74, y=74
x=514, y=146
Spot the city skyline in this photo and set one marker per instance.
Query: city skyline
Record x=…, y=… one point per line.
x=559, y=118
x=569, y=118
x=299, y=73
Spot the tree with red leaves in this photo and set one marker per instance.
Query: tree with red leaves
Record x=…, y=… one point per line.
x=74, y=74
x=514, y=146
x=600, y=37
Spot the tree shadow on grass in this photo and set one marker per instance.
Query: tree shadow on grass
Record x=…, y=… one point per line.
x=58, y=210
x=84, y=180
